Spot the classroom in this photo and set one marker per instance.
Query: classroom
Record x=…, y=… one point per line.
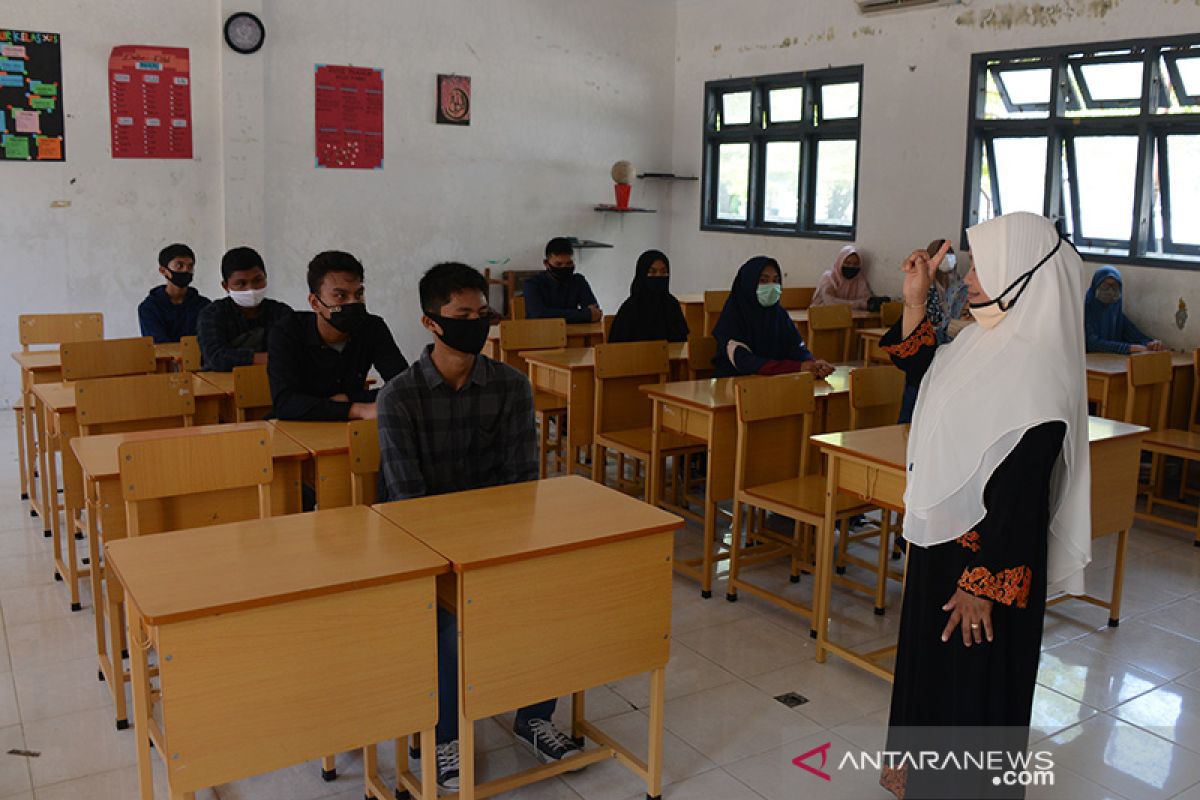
x=565, y=400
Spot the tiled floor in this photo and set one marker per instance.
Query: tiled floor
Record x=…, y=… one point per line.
x=1120, y=709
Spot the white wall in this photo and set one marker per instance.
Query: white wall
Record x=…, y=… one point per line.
x=916, y=84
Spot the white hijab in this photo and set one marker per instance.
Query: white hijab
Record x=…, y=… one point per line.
x=988, y=387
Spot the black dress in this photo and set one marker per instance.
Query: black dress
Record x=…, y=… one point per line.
x=949, y=698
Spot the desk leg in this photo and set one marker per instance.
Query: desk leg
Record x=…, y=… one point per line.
x=466, y=753
x=1114, y=607
x=138, y=645
x=95, y=574
x=581, y=403
x=46, y=503
x=654, y=754
x=21, y=452
x=824, y=560
x=333, y=480
x=31, y=444
x=654, y=472
x=1104, y=397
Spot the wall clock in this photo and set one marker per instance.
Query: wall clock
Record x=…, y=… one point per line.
x=244, y=33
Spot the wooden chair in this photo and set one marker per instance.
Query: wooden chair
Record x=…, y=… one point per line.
x=775, y=419
x=795, y=298
x=714, y=302
x=516, y=307
x=890, y=313
x=876, y=394
x=607, y=323
x=134, y=402
x=701, y=351
x=108, y=358
x=1147, y=401
x=539, y=334
x=189, y=351
x=251, y=392
x=624, y=414
x=830, y=330
x=364, y=461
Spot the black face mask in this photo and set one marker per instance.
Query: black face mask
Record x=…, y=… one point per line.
x=180, y=279
x=850, y=273
x=464, y=335
x=658, y=284
x=562, y=273
x=347, y=318
x=1024, y=279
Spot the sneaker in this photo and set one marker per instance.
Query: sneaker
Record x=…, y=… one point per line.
x=547, y=742
x=447, y=766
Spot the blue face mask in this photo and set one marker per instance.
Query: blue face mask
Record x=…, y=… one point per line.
x=769, y=294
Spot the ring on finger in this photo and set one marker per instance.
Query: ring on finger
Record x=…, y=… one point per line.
x=974, y=626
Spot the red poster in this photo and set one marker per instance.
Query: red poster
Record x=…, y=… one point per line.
x=150, y=102
x=349, y=117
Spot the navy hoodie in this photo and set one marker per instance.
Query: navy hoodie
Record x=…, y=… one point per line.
x=167, y=322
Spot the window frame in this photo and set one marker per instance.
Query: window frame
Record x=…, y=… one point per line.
x=809, y=131
x=1061, y=188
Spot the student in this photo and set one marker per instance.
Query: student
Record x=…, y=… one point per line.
x=458, y=420
x=560, y=292
x=1108, y=329
x=233, y=330
x=946, y=306
x=171, y=311
x=319, y=359
x=755, y=335
x=651, y=312
x=845, y=284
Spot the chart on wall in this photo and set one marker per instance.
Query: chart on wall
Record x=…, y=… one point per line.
x=349, y=117
x=31, y=113
x=150, y=102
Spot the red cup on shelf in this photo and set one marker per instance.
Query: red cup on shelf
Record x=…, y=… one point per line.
x=622, y=190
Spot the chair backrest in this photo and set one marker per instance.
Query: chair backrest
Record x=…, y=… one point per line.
x=364, y=460
x=620, y=370
x=795, y=298
x=714, y=302
x=106, y=358
x=516, y=307
x=251, y=392
x=829, y=332
x=35, y=329
x=876, y=394
x=199, y=466
x=134, y=402
x=1148, y=389
x=890, y=313
x=530, y=334
x=774, y=422
x=607, y=323
x=189, y=350
x=1193, y=424
x=701, y=352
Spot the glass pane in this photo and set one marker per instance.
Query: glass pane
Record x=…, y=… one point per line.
x=1021, y=170
x=1018, y=81
x=782, y=197
x=736, y=108
x=1183, y=164
x=836, y=172
x=839, y=101
x=1078, y=106
x=1106, y=168
x=1027, y=86
x=1189, y=71
x=985, y=205
x=733, y=181
x=787, y=105
x=1121, y=81
x=1155, y=245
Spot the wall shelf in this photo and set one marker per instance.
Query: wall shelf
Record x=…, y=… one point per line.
x=667, y=176
x=611, y=209
x=584, y=244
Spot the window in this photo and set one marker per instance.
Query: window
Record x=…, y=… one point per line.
x=1105, y=138
x=781, y=154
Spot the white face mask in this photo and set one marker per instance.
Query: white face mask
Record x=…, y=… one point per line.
x=250, y=298
x=989, y=316
x=949, y=263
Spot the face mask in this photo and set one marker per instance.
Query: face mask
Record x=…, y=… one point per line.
x=180, y=279
x=346, y=318
x=249, y=298
x=948, y=263
x=990, y=314
x=562, y=273
x=659, y=284
x=464, y=335
x=849, y=273
x=769, y=294
x=1108, y=295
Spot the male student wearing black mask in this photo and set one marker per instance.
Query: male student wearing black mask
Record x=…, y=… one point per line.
x=457, y=420
x=319, y=360
x=172, y=310
x=561, y=292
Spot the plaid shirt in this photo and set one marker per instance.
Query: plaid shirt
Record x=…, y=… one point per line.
x=435, y=440
x=229, y=339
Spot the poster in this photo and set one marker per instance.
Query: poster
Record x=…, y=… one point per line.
x=349, y=117
x=150, y=102
x=31, y=112
x=454, y=100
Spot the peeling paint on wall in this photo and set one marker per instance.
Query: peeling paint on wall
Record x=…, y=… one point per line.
x=1038, y=15
x=867, y=30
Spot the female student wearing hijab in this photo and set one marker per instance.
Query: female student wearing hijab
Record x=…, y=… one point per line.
x=755, y=335
x=947, y=300
x=846, y=283
x=651, y=312
x=1108, y=329
x=997, y=503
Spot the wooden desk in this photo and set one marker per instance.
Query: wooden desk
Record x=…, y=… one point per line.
x=870, y=464
x=328, y=445
x=693, y=311
x=1107, y=386
x=869, y=350
x=579, y=334
x=37, y=366
x=1176, y=444
x=101, y=473
x=562, y=537
x=223, y=381
x=860, y=319
x=259, y=670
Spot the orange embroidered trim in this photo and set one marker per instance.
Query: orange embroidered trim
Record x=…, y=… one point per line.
x=1008, y=586
x=969, y=540
x=895, y=780
x=923, y=336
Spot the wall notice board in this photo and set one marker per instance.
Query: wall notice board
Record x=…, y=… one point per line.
x=349, y=117
x=31, y=111
x=150, y=97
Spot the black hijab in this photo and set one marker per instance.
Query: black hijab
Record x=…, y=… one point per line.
x=650, y=313
x=768, y=332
